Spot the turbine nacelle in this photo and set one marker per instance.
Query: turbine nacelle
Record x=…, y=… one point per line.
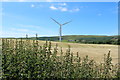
x=59, y=23
x=60, y=27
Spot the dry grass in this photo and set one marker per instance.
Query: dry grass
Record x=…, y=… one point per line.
x=32, y=59
x=94, y=51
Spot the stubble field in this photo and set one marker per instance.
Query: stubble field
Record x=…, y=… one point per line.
x=94, y=51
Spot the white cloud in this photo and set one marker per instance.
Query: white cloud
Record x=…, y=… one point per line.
x=53, y=7
x=63, y=9
x=58, y=8
x=32, y=5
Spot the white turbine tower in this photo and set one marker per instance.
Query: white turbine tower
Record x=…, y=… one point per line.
x=60, y=30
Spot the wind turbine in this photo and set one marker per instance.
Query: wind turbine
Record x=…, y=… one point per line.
x=60, y=30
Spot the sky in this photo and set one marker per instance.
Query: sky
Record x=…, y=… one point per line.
x=88, y=18
x=60, y=0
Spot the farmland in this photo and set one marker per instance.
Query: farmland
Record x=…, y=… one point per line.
x=40, y=59
x=94, y=51
x=54, y=39
x=91, y=39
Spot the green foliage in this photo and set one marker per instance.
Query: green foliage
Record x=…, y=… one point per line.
x=89, y=39
x=25, y=59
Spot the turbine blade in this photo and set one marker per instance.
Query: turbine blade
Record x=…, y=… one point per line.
x=55, y=21
x=67, y=22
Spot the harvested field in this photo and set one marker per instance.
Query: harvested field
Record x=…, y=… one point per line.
x=94, y=51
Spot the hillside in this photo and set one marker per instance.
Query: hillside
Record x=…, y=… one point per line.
x=91, y=39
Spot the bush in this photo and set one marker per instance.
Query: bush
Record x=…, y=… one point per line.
x=28, y=59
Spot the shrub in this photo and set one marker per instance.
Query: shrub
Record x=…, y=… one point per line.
x=28, y=59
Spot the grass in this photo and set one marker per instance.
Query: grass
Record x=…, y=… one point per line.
x=90, y=39
x=94, y=51
x=40, y=60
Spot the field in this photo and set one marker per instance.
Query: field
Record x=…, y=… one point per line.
x=94, y=51
x=90, y=39
x=43, y=59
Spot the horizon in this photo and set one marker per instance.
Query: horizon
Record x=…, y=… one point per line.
x=88, y=18
x=57, y=36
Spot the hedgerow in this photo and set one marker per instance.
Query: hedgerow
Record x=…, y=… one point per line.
x=26, y=59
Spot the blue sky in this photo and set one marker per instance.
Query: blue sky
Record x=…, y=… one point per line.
x=88, y=18
x=60, y=0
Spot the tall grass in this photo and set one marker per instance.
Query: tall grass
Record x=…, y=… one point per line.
x=26, y=59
